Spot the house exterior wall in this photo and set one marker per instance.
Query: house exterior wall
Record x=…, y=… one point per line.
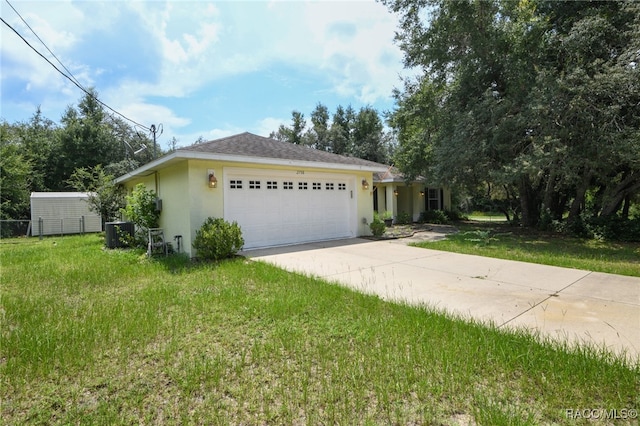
x=187, y=199
x=173, y=189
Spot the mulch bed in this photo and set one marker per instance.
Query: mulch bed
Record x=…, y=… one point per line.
x=402, y=231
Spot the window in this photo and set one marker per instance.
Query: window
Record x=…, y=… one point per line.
x=302, y=185
x=254, y=184
x=433, y=200
x=287, y=185
x=271, y=184
x=235, y=184
x=342, y=187
x=317, y=186
x=328, y=186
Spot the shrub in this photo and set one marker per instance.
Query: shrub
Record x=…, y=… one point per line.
x=218, y=239
x=434, y=216
x=613, y=228
x=403, y=218
x=141, y=210
x=455, y=215
x=377, y=226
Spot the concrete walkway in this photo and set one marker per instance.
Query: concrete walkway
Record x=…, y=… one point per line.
x=561, y=303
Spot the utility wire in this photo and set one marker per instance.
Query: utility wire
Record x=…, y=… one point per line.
x=43, y=43
x=70, y=78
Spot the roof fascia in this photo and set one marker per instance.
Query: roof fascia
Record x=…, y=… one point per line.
x=195, y=155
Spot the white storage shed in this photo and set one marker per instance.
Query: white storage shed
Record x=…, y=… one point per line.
x=59, y=213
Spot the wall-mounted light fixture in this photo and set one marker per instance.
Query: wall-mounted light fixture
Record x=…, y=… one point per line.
x=365, y=184
x=213, y=182
x=422, y=193
x=395, y=192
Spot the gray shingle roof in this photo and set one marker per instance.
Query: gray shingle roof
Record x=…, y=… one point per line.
x=250, y=145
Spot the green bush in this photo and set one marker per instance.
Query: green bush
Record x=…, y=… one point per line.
x=455, y=215
x=218, y=239
x=434, y=216
x=377, y=226
x=403, y=218
x=613, y=228
x=141, y=209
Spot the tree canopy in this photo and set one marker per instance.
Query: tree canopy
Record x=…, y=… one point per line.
x=360, y=134
x=41, y=156
x=538, y=98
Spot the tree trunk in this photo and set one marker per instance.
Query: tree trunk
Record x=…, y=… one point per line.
x=528, y=202
x=627, y=187
x=578, y=201
x=626, y=206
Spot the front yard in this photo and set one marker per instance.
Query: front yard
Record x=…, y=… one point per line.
x=503, y=241
x=92, y=336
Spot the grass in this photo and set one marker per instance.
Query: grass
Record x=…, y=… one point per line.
x=503, y=241
x=92, y=336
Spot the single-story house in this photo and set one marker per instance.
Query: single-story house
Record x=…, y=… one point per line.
x=278, y=192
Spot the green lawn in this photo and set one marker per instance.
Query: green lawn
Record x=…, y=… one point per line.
x=92, y=336
x=504, y=241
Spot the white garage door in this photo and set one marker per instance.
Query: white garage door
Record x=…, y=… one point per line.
x=278, y=208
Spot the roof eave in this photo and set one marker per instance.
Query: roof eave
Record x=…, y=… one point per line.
x=195, y=155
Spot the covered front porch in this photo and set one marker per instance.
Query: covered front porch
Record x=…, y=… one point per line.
x=398, y=198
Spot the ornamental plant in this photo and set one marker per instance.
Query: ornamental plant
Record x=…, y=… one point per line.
x=377, y=226
x=141, y=207
x=142, y=211
x=218, y=239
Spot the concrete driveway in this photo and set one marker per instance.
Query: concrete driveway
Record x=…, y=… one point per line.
x=561, y=303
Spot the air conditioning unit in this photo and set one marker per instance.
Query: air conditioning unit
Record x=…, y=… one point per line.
x=116, y=233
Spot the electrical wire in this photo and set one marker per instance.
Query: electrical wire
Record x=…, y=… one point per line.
x=73, y=80
x=43, y=43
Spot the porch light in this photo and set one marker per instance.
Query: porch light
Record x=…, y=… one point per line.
x=365, y=184
x=395, y=192
x=213, y=182
x=422, y=193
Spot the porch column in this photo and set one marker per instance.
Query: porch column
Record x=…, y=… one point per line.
x=391, y=204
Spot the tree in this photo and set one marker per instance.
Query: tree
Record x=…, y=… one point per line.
x=318, y=136
x=369, y=139
x=87, y=139
x=540, y=97
x=293, y=134
x=41, y=146
x=106, y=198
x=341, y=129
x=15, y=176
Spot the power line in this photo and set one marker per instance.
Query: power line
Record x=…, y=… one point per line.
x=65, y=75
x=43, y=43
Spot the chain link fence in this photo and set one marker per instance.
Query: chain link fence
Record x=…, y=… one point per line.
x=50, y=226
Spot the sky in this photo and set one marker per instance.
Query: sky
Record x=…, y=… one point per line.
x=199, y=68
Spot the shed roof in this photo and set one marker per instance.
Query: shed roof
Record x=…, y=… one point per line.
x=59, y=195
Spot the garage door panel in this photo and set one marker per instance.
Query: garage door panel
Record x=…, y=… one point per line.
x=281, y=210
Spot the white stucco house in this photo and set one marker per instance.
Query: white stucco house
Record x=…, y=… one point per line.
x=279, y=193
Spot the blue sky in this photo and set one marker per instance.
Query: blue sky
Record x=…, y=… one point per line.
x=199, y=68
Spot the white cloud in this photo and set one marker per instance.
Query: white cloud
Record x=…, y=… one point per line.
x=194, y=45
x=269, y=124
